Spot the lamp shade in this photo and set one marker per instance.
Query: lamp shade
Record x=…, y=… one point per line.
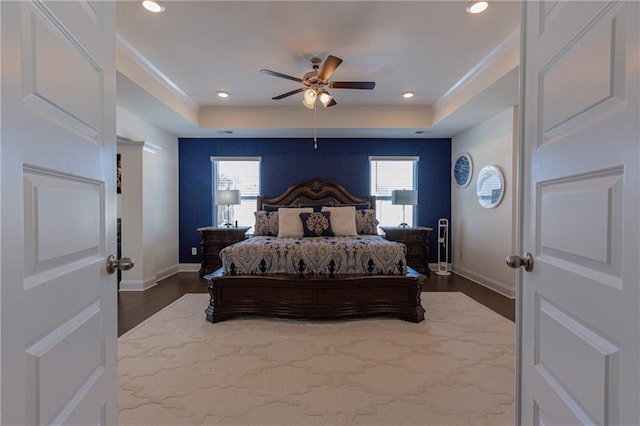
x=309, y=95
x=308, y=104
x=325, y=97
x=406, y=197
x=227, y=197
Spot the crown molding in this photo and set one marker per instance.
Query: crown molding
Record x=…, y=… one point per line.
x=126, y=144
x=499, y=62
x=147, y=66
x=498, y=54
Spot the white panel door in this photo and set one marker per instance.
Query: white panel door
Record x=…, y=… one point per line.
x=580, y=305
x=57, y=302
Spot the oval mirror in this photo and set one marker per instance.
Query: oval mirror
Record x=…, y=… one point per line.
x=490, y=187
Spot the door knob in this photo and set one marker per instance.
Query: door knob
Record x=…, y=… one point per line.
x=123, y=264
x=516, y=262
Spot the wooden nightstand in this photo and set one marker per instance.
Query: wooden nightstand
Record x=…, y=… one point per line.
x=215, y=239
x=417, y=242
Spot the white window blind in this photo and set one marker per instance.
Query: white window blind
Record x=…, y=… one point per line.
x=386, y=175
x=243, y=174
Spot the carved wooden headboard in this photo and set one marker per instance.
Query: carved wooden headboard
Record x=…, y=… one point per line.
x=316, y=192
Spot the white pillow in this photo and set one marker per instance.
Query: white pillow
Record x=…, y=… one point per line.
x=289, y=222
x=343, y=220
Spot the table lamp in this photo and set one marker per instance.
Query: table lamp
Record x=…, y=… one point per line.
x=227, y=197
x=405, y=197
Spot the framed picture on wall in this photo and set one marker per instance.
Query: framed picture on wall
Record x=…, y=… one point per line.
x=118, y=173
x=462, y=170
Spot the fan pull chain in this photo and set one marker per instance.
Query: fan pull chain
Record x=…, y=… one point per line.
x=315, y=126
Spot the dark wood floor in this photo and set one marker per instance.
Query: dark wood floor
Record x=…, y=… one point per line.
x=136, y=306
x=481, y=294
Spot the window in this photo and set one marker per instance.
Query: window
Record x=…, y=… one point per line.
x=243, y=174
x=387, y=174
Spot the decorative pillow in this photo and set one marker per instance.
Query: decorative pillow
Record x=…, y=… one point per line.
x=289, y=223
x=343, y=220
x=316, y=224
x=366, y=222
x=266, y=223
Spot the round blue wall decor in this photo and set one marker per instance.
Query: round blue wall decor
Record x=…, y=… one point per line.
x=462, y=170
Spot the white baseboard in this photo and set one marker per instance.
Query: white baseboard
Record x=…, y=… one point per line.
x=490, y=283
x=138, y=285
x=167, y=272
x=147, y=283
x=190, y=267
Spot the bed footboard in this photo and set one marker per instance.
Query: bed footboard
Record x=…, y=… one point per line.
x=306, y=297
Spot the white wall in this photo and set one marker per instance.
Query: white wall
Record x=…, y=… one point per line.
x=149, y=201
x=130, y=212
x=482, y=238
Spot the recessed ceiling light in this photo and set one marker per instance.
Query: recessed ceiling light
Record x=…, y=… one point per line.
x=222, y=94
x=153, y=6
x=407, y=95
x=477, y=6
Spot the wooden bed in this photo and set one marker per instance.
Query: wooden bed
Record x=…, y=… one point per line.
x=313, y=297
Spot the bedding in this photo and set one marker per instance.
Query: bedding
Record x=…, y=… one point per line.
x=363, y=254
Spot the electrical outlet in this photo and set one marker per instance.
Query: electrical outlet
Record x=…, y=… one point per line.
x=194, y=251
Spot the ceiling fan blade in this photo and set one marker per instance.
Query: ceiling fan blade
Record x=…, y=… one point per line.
x=367, y=85
x=284, y=95
x=278, y=74
x=328, y=67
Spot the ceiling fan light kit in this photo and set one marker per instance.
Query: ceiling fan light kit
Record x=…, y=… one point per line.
x=317, y=81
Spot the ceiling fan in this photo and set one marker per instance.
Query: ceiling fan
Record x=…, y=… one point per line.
x=317, y=82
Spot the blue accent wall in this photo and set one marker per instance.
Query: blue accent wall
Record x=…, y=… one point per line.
x=288, y=161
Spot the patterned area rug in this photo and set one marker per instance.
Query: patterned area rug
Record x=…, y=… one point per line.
x=454, y=368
